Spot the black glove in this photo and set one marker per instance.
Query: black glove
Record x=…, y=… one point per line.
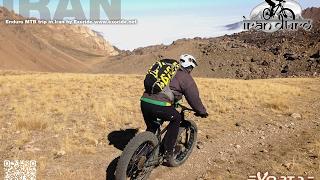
x=205, y=115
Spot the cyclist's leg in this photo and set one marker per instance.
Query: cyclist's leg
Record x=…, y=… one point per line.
x=149, y=117
x=172, y=115
x=152, y=112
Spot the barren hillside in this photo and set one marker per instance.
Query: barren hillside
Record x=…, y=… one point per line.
x=245, y=55
x=62, y=48
x=75, y=126
x=312, y=13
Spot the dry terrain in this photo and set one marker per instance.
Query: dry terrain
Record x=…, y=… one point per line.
x=50, y=48
x=245, y=55
x=75, y=125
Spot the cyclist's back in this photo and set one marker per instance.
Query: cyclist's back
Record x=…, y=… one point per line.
x=161, y=105
x=182, y=85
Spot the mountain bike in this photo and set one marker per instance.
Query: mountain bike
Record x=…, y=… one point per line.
x=284, y=13
x=142, y=154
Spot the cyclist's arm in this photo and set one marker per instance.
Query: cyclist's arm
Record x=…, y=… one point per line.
x=191, y=92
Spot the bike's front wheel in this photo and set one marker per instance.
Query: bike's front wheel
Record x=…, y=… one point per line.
x=137, y=153
x=187, y=138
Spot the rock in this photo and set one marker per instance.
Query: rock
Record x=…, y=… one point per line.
x=285, y=69
x=296, y=116
x=128, y=124
x=238, y=124
x=288, y=166
x=253, y=60
x=316, y=55
x=314, y=156
x=264, y=151
x=229, y=169
x=265, y=63
x=59, y=154
x=237, y=146
x=239, y=73
x=234, y=46
x=200, y=145
x=290, y=56
x=275, y=50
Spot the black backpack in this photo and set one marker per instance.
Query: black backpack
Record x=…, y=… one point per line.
x=160, y=75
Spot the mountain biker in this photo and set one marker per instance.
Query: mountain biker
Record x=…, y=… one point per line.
x=161, y=106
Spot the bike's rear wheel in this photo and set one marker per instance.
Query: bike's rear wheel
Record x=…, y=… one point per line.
x=286, y=14
x=138, y=152
x=187, y=138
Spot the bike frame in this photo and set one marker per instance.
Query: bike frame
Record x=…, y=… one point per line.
x=160, y=132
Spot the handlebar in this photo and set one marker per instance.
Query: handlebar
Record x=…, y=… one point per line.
x=184, y=108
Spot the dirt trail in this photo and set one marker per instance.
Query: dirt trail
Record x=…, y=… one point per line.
x=243, y=153
x=261, y=141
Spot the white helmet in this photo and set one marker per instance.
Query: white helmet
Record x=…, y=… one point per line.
x=187, y=60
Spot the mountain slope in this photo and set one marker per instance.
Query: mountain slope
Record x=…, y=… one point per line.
x=312, y=13
x=62, y=48
x=243, y=55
